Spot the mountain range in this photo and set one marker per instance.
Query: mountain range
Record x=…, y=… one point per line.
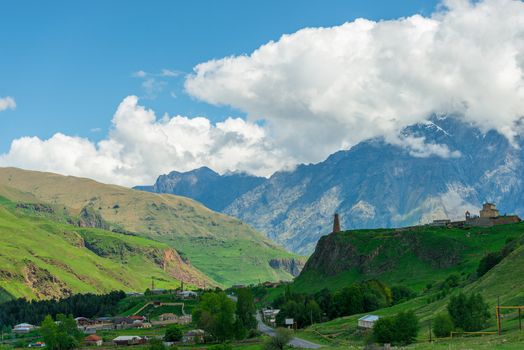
x=452, y=167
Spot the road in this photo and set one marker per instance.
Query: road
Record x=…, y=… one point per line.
x=295, y=342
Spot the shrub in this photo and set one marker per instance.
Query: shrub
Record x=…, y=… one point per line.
x=400, y=329
x=442, y=325
x=469, y=313
x=173, y=333
x=282, y=337
x=488, y=262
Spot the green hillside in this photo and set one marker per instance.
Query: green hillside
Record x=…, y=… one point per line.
x=504, y=282
x=41, y=258
x=223, y=248
x=412, y=257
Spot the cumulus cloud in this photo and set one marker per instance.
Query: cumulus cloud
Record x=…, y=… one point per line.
x=7, y=103
x=322, y=89
x=141, y=146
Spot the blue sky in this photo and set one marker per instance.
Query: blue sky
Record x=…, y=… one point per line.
x=68, y=64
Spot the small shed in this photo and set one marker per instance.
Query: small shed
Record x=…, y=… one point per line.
x=368, y=321
x=93, y=340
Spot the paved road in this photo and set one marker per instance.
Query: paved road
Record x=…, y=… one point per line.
x=295, y=342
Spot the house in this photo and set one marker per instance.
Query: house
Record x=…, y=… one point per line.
x=368, y=321
x=187, y=294
x=129, y=340
x=173, y=318
x=93, y=340
x=194, y=336
x=168, y=317
x=84, y=321
x=23, y=328
x=270, y=316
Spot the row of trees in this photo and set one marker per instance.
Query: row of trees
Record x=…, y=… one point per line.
x=224, y=320
x=87, y=305
x=325, y=305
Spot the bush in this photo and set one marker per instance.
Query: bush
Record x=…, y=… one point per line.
x=488, y=262
x=401, y=293
x=282, y=337
x=156, y=344
x=469, y=313
x=442, y=325
x=224, y=346
x=173, y=333
x=401, y=329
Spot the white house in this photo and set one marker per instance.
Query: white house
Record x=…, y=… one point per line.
x=368, y=321
x=23, y=328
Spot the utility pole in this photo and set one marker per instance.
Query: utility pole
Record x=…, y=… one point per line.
x=520, y=320
x=430, y=339
x=498, y=316
x=152, y=283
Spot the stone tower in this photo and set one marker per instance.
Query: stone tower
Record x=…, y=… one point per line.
x=336, y=224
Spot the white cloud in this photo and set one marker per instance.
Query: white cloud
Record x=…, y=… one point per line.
x=169, y=73
x=323, y=89
x=7, y=103
x=141, y=146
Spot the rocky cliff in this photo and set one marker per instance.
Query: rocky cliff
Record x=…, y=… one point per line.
x=291, y=265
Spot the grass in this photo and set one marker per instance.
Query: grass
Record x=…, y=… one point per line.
x=413, y=258
x=62, y=263
x=223, y=248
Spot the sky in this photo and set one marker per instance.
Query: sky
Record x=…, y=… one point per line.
x=123, y=91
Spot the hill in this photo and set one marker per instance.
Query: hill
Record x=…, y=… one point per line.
x=503, y=283
x=413, y=257
x=223, y=248
x=41, y=258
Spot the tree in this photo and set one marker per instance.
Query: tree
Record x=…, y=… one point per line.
x=173, y=333
x=49, y=331
x=442, y=325
x=488, y=262
x=469, y=313
x=402, y=293
x=406, y=327
x=156, y=344
x=62, y=335
x=400, y=329
x=282, y=337
x=215, y=313
x=384, y=330
x=245, y=310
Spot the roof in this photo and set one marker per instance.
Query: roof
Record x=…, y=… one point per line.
x=92, y=337
x=369, y=318
x=23, y=325
x=126, y=337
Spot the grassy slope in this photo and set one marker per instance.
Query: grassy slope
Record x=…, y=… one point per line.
x=223, y=248
x=56, y=248
x=405, y=267
x=506, y=280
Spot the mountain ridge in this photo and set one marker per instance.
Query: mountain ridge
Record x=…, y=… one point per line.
x=434, y=170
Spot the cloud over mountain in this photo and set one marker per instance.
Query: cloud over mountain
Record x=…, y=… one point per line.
x=312, y=93
x=322, y=89
x=140, y=146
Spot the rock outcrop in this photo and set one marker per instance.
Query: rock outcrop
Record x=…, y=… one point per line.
x=291, y=265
